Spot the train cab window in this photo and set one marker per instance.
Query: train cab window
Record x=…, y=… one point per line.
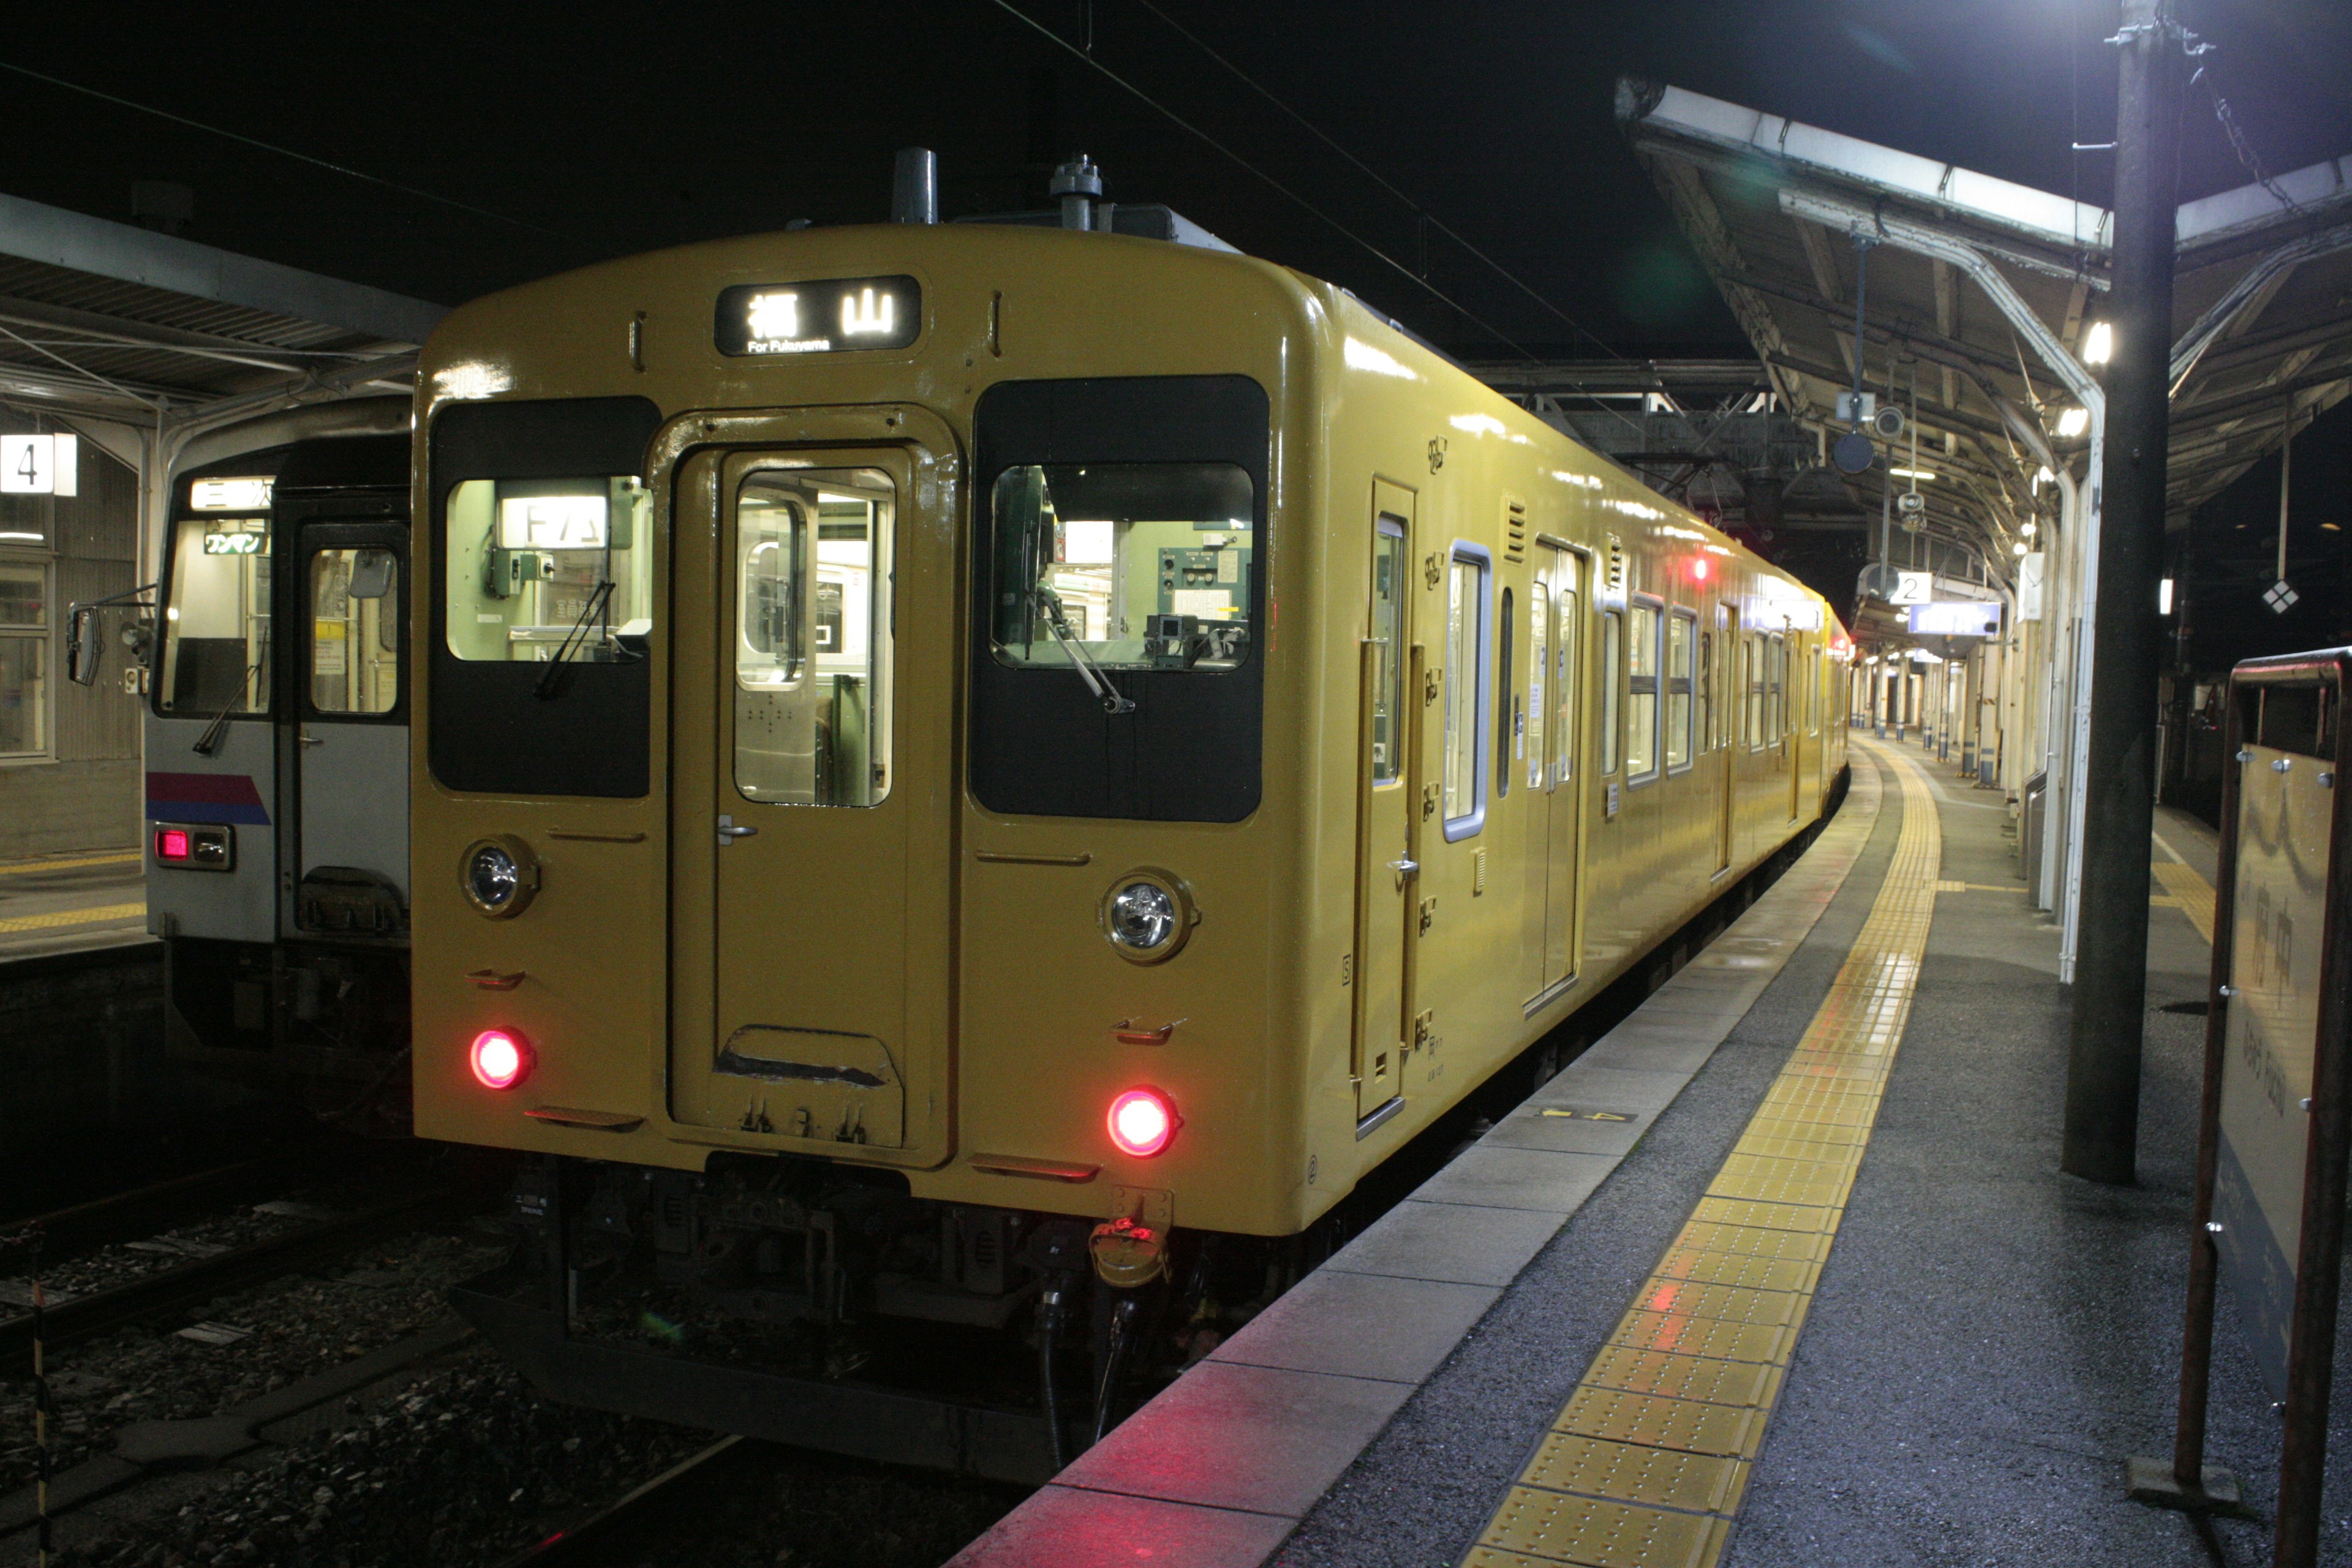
x=813, y=644
x=550, y=571
x=216, y=656
x=1388, y=666
x=1642, y=693
x=355, y=631
x=1613, y=665
x=1467, y=579
x=1681, y=628
x=1103, y=567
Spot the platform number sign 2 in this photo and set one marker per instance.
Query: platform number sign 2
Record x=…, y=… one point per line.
x=39, y=464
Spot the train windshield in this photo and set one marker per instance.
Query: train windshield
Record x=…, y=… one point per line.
x=1124, y=566
x=217, y=618
x=549, y=570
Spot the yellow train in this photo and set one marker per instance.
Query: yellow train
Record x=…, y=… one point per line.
x=1020, y=726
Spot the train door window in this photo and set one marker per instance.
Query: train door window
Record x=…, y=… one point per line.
x=355, y=631
x=1776, y=667
x=813, y=644
x=1751, y=685
x=1681, y=701
x=1467, y=579
x=1707, y=740
x=1642, y=693
x=1506, y=703
x=216, y=654
x=1539, y=614
x=1387, y=667
x=24, y=658
x=549, y=570
x=1613, y=674
x=1567, y=669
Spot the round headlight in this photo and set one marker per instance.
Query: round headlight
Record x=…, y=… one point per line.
x=1146, y=916
x=499, y=876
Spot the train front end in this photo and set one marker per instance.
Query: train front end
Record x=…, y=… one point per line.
x=843, y=844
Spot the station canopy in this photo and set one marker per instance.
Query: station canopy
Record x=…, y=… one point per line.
x=2263, y=302
x=108, y=323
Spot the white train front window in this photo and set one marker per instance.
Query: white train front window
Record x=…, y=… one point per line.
x=216, y=654
x=813, y=640
x=1110, y=567
x=541, y=570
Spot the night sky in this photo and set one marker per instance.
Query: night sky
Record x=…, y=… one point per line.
x=592, y=131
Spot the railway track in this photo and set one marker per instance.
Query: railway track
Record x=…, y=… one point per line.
x=642, y=1516
x=200, y=1280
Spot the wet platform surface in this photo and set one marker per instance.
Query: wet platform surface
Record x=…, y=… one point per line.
x=1975, y=1357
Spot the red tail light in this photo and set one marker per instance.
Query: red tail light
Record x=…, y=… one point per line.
x=171, y=844
x=1141, y=1122
x=500, y=1058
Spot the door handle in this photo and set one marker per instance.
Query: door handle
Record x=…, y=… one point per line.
x=308, y=739
x=1405, y=870
x=728, y=832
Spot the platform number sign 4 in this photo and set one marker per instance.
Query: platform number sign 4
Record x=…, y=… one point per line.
x=39, y=464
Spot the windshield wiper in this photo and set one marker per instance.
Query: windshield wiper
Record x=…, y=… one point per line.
x=210, y=740
x=1081, y=660
x=575, y=637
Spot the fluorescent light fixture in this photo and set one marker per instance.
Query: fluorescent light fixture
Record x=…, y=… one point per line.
x=36, y=538
x=2018, y=548
x=2098, y=344
x=1912, y=473
x=2073, y=422
x=2164, y=597
x=2026, y=528
x=2043, y=476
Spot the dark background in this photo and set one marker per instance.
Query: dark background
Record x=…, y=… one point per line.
x=597, y=131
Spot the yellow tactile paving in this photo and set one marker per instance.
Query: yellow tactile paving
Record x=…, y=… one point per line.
x=70, y=863
x=74, y=918
x=2191, y=892
x=1646, y=1466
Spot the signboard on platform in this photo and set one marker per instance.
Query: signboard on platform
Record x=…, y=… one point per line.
x=1914, y=588
x=2279, y=910
x=2029, y=585
x=1963, y=618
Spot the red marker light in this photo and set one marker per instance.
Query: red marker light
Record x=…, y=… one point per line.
x=1141, y=1122
x=171, y=844
x=500, y=1058
x=1698, y=570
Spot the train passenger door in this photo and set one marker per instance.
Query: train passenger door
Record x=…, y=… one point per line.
x=1386, y=872
x=1792, y=652
x=351, y=729
x=1731, y=689
x=806, y=1010
x=1557, y=609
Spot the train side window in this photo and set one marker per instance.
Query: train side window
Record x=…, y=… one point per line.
x=1776, y=669
x=1537, y=738
x=217, y=618
x=355, y=631
x=1388, y=664
x=1613, y=665
x=1467, y=587
x=1567, y=671
x=1642, y=693
x=1506, y=703
x=1752, y=683
x=813, y=643
x=1681, y=632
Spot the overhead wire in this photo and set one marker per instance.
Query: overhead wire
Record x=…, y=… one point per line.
x=1419, y=211
x=1399, y=267
x=255, y=141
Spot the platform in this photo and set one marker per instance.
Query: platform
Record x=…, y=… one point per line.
x=1826, y=1299
x=63, y=903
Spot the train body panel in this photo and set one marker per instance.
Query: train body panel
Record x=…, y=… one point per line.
x=820, y=828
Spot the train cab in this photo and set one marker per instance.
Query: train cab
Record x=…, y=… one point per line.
x=276, y=787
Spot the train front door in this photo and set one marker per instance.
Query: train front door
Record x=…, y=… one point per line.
x=1731, y=721
x=1387, y=875
x=1556, y=622
x=809, y=805
x=351, y=729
